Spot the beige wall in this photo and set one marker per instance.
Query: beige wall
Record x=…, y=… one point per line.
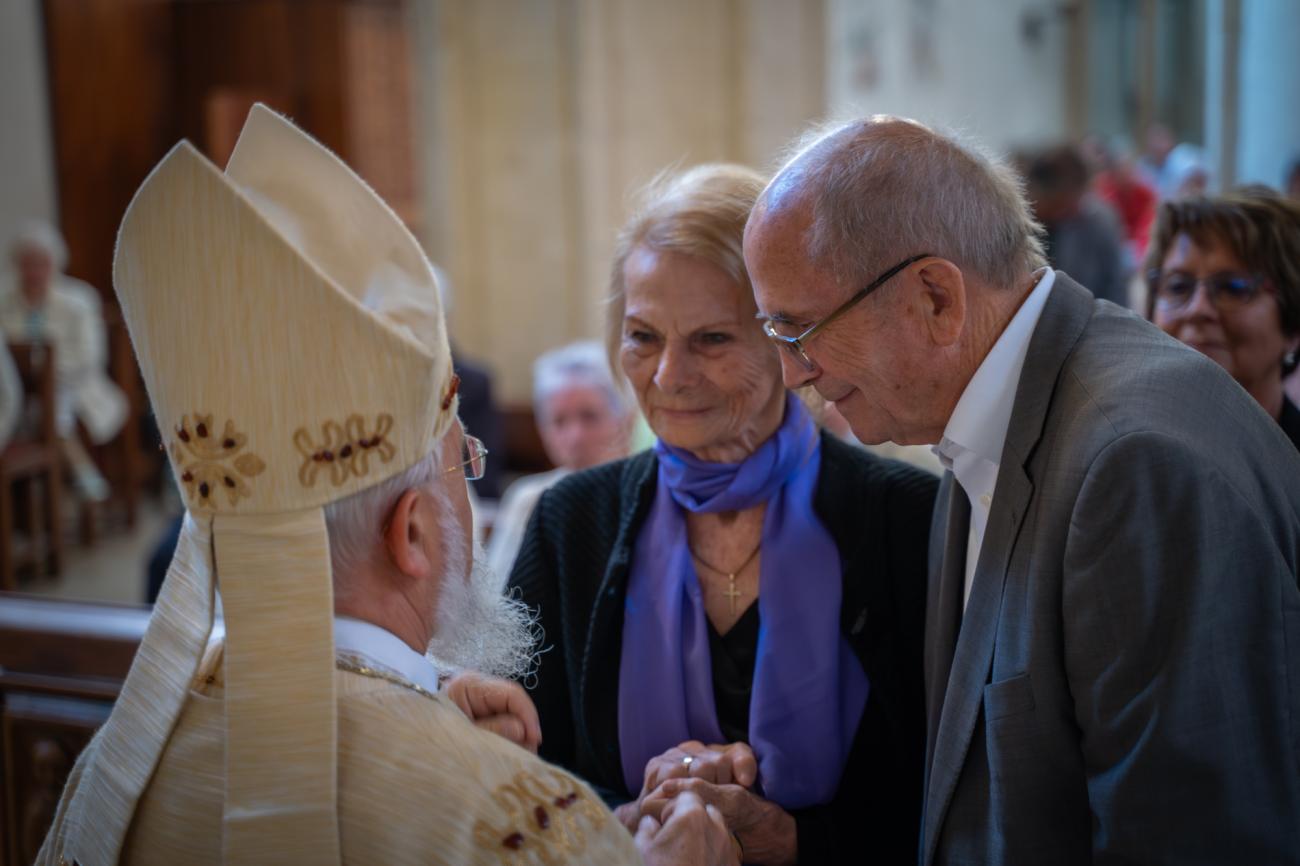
x=540, y=117
x=995, y=69
x=26, y=171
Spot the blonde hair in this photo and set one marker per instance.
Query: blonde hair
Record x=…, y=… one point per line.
x=885, y=188
x=699, y=212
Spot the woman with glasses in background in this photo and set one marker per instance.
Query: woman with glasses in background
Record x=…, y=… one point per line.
x=738, y=611
x=1224, y=278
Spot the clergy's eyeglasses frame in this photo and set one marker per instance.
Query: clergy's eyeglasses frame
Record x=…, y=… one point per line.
x=473, y=458
x=796, y=345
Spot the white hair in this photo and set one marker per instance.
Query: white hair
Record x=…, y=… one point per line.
x=885, y=188
x=40, y=235
x=477, y=626
x=355, y=523
x=579, y=364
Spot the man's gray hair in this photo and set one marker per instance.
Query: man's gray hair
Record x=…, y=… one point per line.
x=355, y=523
x=885, y=188
x=579, y=364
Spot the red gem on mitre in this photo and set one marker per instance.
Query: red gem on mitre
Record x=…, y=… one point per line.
x=452, y=388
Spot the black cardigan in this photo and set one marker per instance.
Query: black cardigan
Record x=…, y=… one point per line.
x=573, y=568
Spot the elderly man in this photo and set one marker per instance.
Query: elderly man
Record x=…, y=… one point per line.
x=288, y=330
x=45, y=305
x=1111, y=650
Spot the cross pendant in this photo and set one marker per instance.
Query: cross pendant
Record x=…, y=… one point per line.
x=732, y=593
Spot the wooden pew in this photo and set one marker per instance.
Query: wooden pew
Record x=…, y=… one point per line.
x=62, y=664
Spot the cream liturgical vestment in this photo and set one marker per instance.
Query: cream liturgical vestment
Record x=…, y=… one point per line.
x=288, y=329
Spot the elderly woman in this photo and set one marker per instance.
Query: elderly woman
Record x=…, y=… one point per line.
x=739, y=611
x=584, y=420
x=1224, y=278
x=44, y=305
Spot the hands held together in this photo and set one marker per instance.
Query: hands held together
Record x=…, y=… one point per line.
x=696, y=805
x=720, y=777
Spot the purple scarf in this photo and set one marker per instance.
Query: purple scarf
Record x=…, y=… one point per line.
x=809, y=689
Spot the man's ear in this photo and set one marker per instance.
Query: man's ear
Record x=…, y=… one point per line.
x=943, y=298
x=405, y=536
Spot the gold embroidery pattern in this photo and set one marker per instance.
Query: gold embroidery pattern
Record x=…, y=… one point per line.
x=210, y=463
x=344, y=450
x=549, y=815
x=354, y=665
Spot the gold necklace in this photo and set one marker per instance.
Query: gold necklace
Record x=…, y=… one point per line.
x=732, y=593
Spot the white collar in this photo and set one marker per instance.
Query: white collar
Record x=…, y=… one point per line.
x=980, y=420
x=383, y=648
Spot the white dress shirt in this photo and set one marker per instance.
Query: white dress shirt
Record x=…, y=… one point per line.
x=977, y=431
x=383, y=649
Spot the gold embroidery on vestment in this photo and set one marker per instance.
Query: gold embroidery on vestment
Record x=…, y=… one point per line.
x=353, y=664
x=210, y=463
x=344, y=449
x=549, y=816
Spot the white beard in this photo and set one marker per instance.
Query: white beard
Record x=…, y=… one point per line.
x=478, y=627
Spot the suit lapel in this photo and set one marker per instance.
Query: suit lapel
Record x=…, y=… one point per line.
x=1064, y=317
x=943, y=607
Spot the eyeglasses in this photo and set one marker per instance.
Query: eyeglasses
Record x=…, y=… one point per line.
x=796, y=345
x=473, y=455
x=1175, y=290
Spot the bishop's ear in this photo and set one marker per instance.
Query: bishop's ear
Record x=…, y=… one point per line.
x=408, y=534
x=943, y=298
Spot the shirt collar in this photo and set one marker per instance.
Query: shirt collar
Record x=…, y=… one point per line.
x=385, y=649
x=983, y=413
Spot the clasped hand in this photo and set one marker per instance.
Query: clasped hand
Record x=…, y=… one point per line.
x=497, y=705
x=721, y=776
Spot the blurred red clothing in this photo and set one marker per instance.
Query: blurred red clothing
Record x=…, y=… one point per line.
x=1135, y=203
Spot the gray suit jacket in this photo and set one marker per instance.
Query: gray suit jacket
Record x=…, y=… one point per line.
x=1125, y=686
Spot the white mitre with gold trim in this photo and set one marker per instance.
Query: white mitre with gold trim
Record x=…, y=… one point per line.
x=290, y=335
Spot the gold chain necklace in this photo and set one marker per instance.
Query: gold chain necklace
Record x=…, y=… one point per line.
x=732, y=593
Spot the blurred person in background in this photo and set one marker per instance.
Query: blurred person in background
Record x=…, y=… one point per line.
x=1083, y=234
x=1117, y=181
x=739, y=612
x=584, y=419
x=41, y=304
x=1292, y=187
x=1156, y=146
x=1224, y=278
x=11, y=396
x=1187, y=173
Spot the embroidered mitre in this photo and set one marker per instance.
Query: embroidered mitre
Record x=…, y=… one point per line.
x=290, y=335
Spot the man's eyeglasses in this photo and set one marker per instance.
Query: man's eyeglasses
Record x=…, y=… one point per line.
x=796, y=345
x=1175, y=290
x=473, y=458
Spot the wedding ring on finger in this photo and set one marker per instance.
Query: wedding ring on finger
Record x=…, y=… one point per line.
x=687, y=761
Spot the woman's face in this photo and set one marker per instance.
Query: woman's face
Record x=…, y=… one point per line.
x=1245, y=339
x=580, y=427
x=706, y=377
